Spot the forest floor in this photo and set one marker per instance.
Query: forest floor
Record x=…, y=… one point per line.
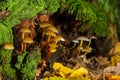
x=94, y=57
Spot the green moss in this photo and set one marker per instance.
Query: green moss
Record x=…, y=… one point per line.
x=27, y=64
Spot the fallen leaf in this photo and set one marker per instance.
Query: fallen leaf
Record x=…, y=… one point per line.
x=78, y=72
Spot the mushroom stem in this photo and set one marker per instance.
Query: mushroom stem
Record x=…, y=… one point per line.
x=4, y=61
x=43, y=35
x=25, y=46
x=22, y=46
x=73, y=46
x=89, y=42
x=80, y=45
x=48, y=38
x=48, y=56
x=23, y=35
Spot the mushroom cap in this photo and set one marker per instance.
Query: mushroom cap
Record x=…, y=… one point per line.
x=83, y=38
x=52, y=44
x=59, y=38
x=8, y=46
x=50, y=33
x=75, y=41
x=93, y=37
x=53, y=28
x=49, y=26
x=25, y=30
x=28, y=40
x=45, y=24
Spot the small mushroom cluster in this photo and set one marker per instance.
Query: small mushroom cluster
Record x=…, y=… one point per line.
x=25, y=40
x=86, y=49
x=53, y=38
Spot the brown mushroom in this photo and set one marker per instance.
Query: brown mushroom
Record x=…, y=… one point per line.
x=58, y=38
x=7, y=47
x=50, y=34
x=26, y=41
x=45, y=24
x=47, y=27
x=52, y=28
x=24, y=30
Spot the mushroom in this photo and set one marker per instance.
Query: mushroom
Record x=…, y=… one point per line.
x=75, y=42
x=50, y=34
x=48, y=26
x=92, y=37
x=52, y=28
x=58, y=38
x=82, y=38
x=7, y=47
x=45, y=24
x=27, y=40
x=24, y=30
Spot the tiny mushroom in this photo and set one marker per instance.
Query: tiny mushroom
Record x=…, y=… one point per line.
x=47, y=27
x=75, y=41
x=45, y=24
x=27, y=40
x=50, y=34
x=7, y=47
x=92, y=37
x=53, y=28
x=58, y=38
x=24, y=30
x=82, y=38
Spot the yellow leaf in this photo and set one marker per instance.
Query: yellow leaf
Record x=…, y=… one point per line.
x=79, y=72
x=112, y=77
x=57, y=66
x=115, y=77
x=115, y=59
x=62, y=74
x=63, y=71
x=117, y=47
